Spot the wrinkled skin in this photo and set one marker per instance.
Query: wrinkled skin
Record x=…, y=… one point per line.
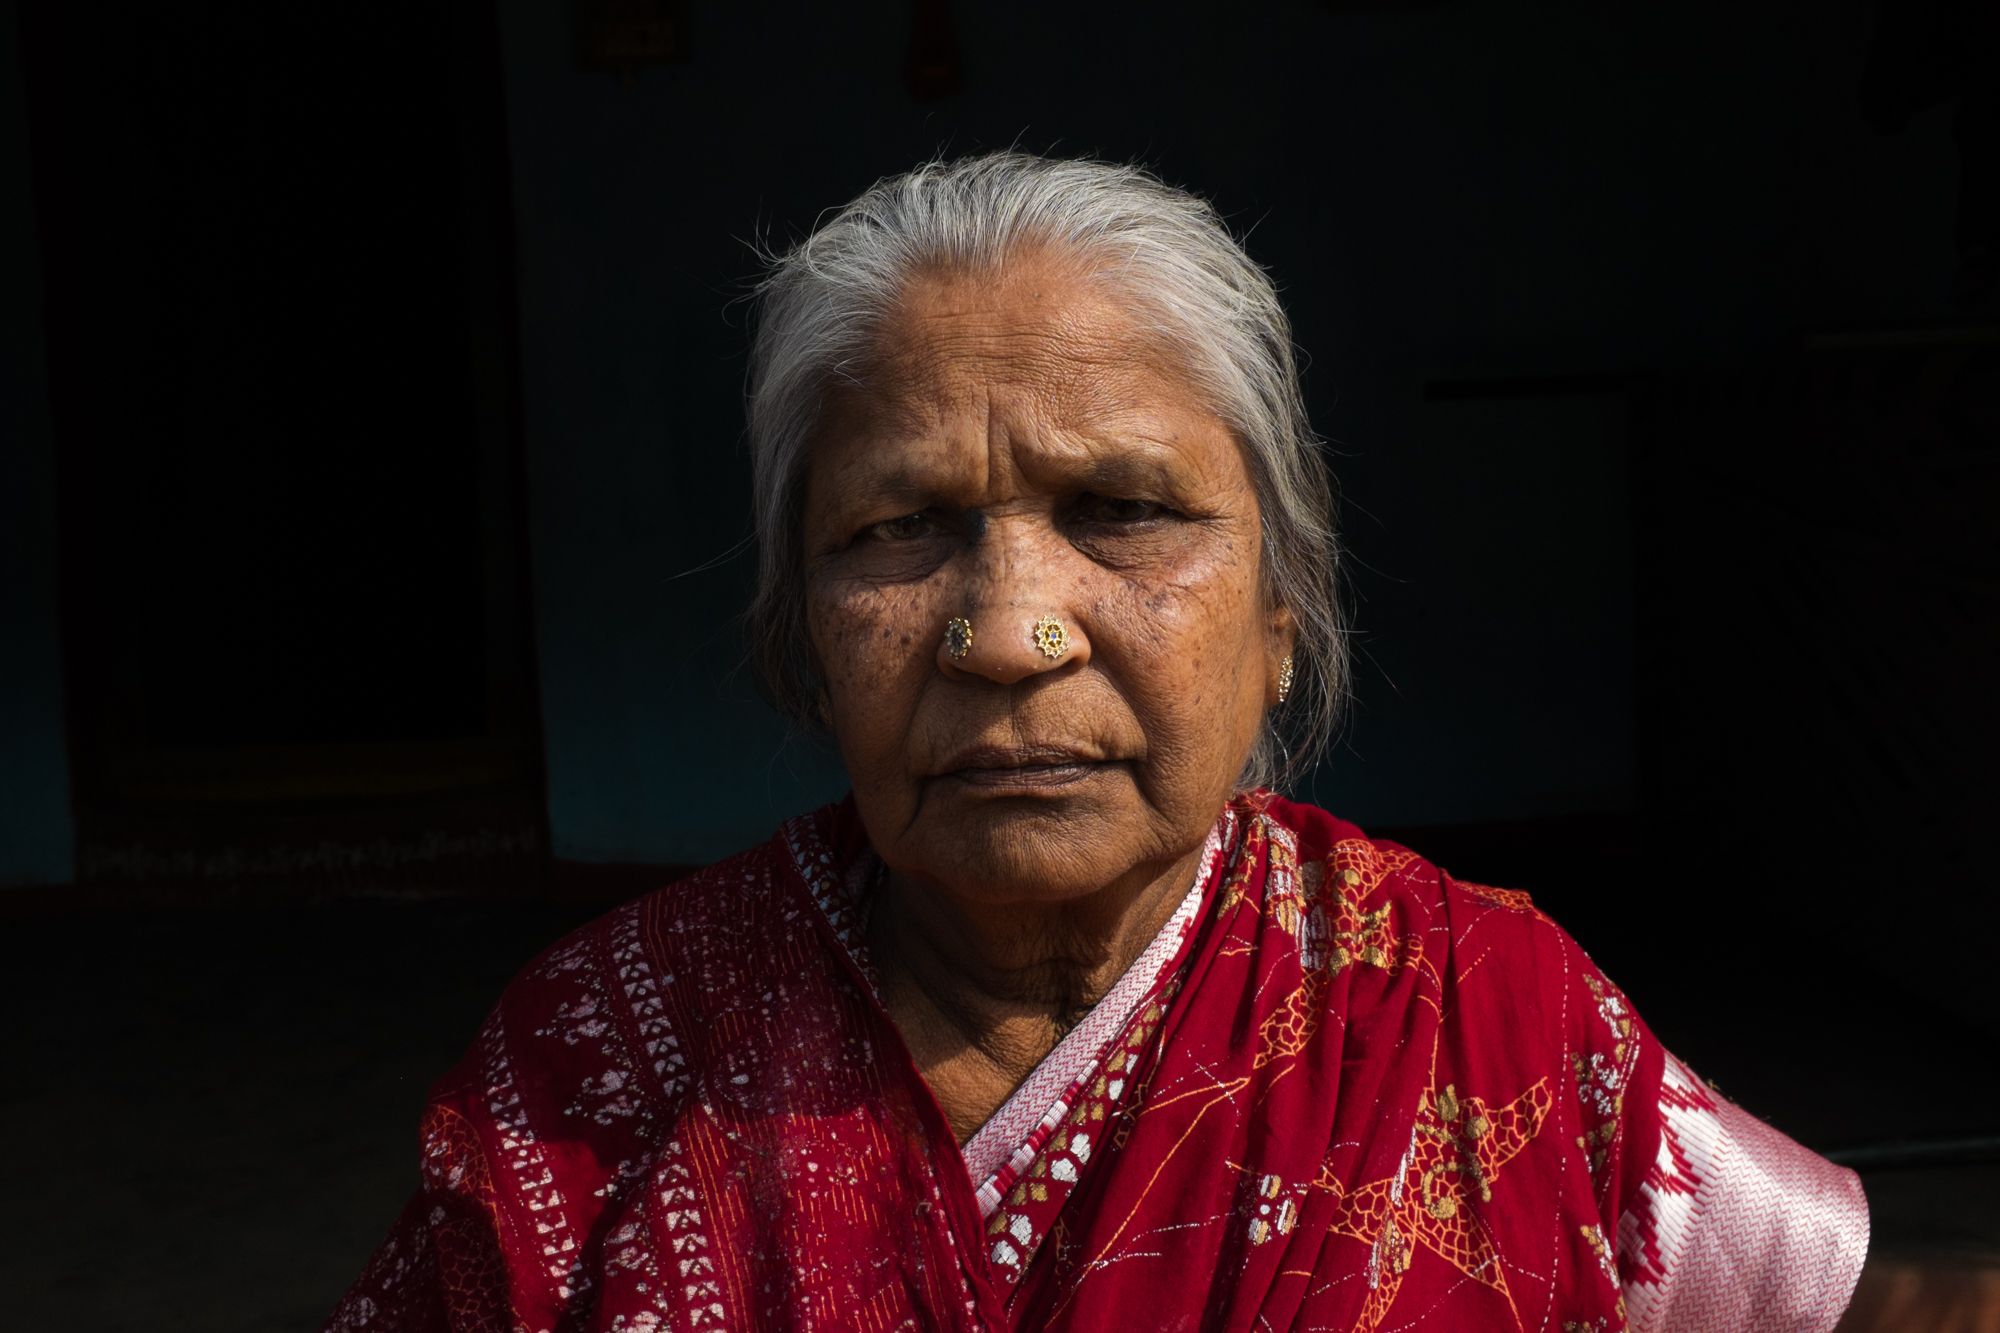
x=1019, y=448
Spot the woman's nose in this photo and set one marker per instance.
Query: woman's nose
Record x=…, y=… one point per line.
x=1007, y=644
x=1011, y=626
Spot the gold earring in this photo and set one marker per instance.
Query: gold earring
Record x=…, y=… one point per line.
x=1051, y=637
x=957, y=637
x=1285, y=678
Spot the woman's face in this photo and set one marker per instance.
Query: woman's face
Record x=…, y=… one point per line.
x=1017, y=448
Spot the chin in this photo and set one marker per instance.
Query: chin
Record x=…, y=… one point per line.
x=1022, y=849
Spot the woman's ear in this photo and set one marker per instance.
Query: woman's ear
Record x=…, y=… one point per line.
x=1284, y=630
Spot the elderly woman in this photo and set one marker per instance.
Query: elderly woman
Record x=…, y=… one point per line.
x=1063, y=1019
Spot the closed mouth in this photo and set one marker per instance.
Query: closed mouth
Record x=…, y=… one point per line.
x=1030, y=768
x=1027, y=776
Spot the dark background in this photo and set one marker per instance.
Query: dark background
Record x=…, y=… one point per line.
x=373, y=509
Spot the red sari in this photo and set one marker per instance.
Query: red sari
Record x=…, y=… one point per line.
x=1343, y=1091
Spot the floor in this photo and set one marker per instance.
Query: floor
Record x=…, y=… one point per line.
x=214, y=1111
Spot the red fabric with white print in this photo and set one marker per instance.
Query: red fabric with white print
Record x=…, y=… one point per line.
x=1357, y=1094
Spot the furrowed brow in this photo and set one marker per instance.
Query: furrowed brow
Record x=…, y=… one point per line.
x=893, y=485
x=1123, y=474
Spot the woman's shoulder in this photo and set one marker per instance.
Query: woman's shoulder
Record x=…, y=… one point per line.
x=1518, y=1001
x=743, y=900
x=607, y=1006
x=1435, y=914
x=1387, y=867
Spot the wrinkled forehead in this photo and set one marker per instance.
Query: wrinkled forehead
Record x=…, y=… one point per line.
x=1042, y=351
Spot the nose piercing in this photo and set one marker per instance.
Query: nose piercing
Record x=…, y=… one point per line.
x=1051, y=637
x=957, y=637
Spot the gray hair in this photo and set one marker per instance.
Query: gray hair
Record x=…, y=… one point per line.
x=821, y=302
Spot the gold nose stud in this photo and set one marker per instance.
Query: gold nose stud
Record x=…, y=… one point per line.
x=957, y=637
x=1051, y=637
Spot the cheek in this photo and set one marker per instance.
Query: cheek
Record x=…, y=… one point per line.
x=872, y=645
x=1190, y=648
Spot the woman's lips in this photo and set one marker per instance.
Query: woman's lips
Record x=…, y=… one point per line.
x=1035, y=777
x=1025, y=768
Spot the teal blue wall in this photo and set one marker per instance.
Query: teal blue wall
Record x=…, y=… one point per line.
x=1442, y=191
x=1445, y=191
x=35, y=832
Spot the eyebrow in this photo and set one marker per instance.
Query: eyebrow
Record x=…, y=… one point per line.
x=1124, y=474
x=1116, y=475
x=903, y=485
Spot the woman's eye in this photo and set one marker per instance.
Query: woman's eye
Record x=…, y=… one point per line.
x=906, y=528
x=1117, y=509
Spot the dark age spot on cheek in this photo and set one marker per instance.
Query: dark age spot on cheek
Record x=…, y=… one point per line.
x=1190, y=591
x=859, y=629
x=1176, y=627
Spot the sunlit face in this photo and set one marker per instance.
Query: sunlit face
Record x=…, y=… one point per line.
x=1018, y=449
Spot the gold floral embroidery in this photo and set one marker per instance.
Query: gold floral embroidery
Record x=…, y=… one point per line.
x=1287, y=1031
x=1324, y=908
x=1512, y=899
x=1364, y=934
x=1600, y=1080
x=1256, y=834
x=1456, y=1152
x=1270, y=1215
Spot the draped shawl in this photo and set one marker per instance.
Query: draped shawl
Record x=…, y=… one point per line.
x=1343, y=1091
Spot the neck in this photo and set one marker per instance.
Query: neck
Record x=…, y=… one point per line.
x=984, y=991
